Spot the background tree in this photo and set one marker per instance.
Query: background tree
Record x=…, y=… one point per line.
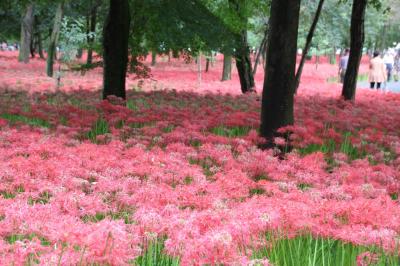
x=26, y=33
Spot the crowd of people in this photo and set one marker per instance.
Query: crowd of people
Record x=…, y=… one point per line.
x=382, y=67
x=4, y=46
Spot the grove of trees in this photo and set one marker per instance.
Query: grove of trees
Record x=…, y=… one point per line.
x=122, y=32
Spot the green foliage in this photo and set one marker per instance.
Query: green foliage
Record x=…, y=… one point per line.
x=33, y=121
x=154, y=255
x=307, y=250
x=231, y=132
x=73, y=36
x=100, y=127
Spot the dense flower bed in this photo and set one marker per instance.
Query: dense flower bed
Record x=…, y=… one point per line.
x=86, y=181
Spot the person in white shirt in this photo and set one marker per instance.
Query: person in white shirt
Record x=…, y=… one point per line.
x=388, y=59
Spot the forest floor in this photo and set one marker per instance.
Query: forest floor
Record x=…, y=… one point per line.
x=178, y=169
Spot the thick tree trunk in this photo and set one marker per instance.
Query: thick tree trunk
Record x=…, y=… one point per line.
x=263, y=47
x=115, y=45
x=356, y=45
x=153, y=58
x=279, y=81
x=308, y=42
x=51, y=51
x=227, y=70
x=26, y=34
x=92, y=28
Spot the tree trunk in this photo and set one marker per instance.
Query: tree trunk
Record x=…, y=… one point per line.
x=332, y=57
x=26, y=34
x=308, y=42
x=207, y=64
x=227, y=70
x=242, y=53
x=153, y=58
x=243, y=64
x=115, y=45
x=38, y=37
x=279, y=81
x=356, y=45
x=92, y=29
x=263, y=47
x=51, y=51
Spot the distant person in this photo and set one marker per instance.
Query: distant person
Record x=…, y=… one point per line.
x=377, y=71
x=388, y=59
x=4, y=46
x=397, y=66
x=344, y=60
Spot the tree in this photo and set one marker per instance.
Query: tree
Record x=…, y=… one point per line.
x=279, y=82
x=308, y=42
x=54, y=39
x=357, y=37
x=26, y=33
x=91, y=27
x=115, y=45
x=227, y=70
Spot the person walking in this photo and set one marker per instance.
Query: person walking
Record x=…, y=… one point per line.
x=397, y=66
x=344, y=60
x=388, y=59
x=377, y=71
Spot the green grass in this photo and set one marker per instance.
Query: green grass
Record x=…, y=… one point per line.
x=100, y=127
x=360, y=78
x=330, y=146
x=11, y=239
x=154, y=256
x=231, y=132
x=309, y=251
x=32, y=121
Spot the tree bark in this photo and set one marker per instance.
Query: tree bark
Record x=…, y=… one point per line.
x=243, y=64
x=26, y=34
x=38, y=37
x=263, y=47
x=356, y=45
x=308, y=42
x=207, y=64
x=51, y=51
x=242, y=53
x=153, y=58
x=115, y=45
x=279, y=81
x=92, y=28
x=227, y=70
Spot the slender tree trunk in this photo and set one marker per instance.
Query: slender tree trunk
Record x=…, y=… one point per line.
x=263, y=47
x=153, y=58
x=92, y=29
x=207, y=64
x=115, y=44
x=280, y=80
x=26, y=34
x=51, y=51
x=227, y=70
x=38, y=37
x=356, y=45
x=242, y=53
x=308, y=42
x=332, y=59
x=243, y=64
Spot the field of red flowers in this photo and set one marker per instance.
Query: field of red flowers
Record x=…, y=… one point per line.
x=86, y=182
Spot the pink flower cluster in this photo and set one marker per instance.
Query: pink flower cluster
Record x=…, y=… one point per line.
x=162, y=171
